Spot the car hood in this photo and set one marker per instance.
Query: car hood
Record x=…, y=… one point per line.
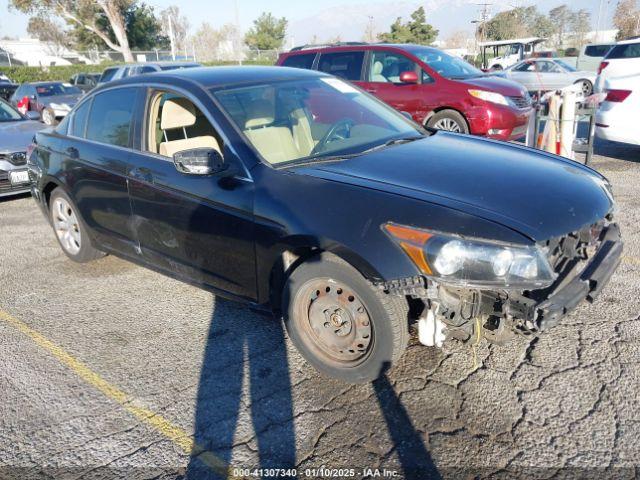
x=537, y=194
x=70, y=100
x=16, y=136
x=496, y=84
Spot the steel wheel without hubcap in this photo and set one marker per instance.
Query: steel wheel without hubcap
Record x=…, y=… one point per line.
x=65, y=223
x=447, y=124
x=335, y=323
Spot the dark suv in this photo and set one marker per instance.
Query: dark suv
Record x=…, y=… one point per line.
x=295, y=191
x=438, y=90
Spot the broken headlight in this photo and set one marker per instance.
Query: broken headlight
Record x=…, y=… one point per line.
x=472, y=262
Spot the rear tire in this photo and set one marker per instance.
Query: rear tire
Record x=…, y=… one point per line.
x=448, y=120
x=48, y=117
x=71, y=232
x=586, y=86
x=340, y=323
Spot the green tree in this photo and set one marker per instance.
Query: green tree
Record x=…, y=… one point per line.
x=562, y=17
x=267, y=33
x=144, y=29
x=516, y=23
x=416, y=30
x=626, y=19
x=85, y=14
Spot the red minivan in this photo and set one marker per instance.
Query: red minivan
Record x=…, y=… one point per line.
x=437, y=89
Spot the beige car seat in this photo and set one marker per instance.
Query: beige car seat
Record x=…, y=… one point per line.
x=275, y=143
x=376, y=72
x=181, y=113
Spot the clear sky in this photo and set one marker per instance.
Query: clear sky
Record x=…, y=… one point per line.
x=328, y=18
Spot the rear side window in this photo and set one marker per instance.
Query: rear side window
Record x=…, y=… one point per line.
x=108, y=74
x=596, y=50
x=111, y=115
x=300, y=61
x=80, y=120
x=147, y=69
x=627, y=50
x=346, y=65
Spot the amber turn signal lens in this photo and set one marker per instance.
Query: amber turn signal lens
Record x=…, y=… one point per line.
x=412, y=242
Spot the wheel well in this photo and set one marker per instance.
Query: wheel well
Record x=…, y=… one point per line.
x=286, y=263
x=46, y=191
x=293, y=257
x=443, y=109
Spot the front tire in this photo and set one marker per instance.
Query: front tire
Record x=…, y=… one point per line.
x=340, y=323
x=448, y=120
x=69, y=228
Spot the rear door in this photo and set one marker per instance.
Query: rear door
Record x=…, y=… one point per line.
x=97, y=155
x=199, y=227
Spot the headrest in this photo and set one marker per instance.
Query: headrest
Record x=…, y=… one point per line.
x=260, y=114
x=377, y=68
x=177, y=113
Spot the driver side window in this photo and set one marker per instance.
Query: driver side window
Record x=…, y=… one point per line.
x=176, y=124
x=386, y=67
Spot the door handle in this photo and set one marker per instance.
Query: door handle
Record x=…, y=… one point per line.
x=142, y=174
x=72, y=152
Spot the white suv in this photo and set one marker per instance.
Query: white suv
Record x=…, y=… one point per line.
x=622, y=60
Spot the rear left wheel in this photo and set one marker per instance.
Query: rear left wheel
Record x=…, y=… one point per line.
x=343, y=326
x=70, y=229
x=48, y=117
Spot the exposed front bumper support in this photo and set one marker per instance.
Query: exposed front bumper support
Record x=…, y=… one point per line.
x=585, y=286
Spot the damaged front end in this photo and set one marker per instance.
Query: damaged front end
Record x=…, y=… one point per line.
x=472, y=288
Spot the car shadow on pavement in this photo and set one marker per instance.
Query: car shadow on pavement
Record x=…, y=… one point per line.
x=240, y=339
x=414, y=457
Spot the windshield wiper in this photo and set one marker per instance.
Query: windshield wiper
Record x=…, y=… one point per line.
x=346, y=156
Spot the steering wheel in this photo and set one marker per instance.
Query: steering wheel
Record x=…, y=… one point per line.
x=334, y=130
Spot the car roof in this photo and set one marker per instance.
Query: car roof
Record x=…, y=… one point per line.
x=350, y=46
x=207, y=77
x=626, y=42
x=159, y=64
x=38, y=84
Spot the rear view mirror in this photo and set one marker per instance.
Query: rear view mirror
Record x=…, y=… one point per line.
x=409, y=77
x=199, y=161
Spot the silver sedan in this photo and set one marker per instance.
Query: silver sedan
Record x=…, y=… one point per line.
x=16, y=133
x=545, y=74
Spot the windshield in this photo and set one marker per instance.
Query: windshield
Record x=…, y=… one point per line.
x=8, y=113
x=53, y=89
x=566, y=66
x=310, y=120
x=446, y=65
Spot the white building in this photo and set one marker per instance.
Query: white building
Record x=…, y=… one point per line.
x=34, y=53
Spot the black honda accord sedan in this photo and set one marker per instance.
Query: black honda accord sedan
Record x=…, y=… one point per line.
x=295, y=191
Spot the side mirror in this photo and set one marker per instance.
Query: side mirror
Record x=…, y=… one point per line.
x=409, y=77
x=33, y=115
x=199, y=161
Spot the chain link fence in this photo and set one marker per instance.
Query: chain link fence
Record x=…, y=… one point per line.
x=41, y=56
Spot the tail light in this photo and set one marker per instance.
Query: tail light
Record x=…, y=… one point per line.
x=617, y=95
x=602, y=66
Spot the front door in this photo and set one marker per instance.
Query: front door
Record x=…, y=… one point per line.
x=199, y=227
x=383, y=81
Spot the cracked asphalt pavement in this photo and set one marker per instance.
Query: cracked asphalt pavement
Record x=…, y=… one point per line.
x=200, y=376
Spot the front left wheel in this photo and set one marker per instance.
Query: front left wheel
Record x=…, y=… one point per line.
x=69, y=228
x=341, y=324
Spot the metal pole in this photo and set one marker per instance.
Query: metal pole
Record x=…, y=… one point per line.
x=173, y=42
